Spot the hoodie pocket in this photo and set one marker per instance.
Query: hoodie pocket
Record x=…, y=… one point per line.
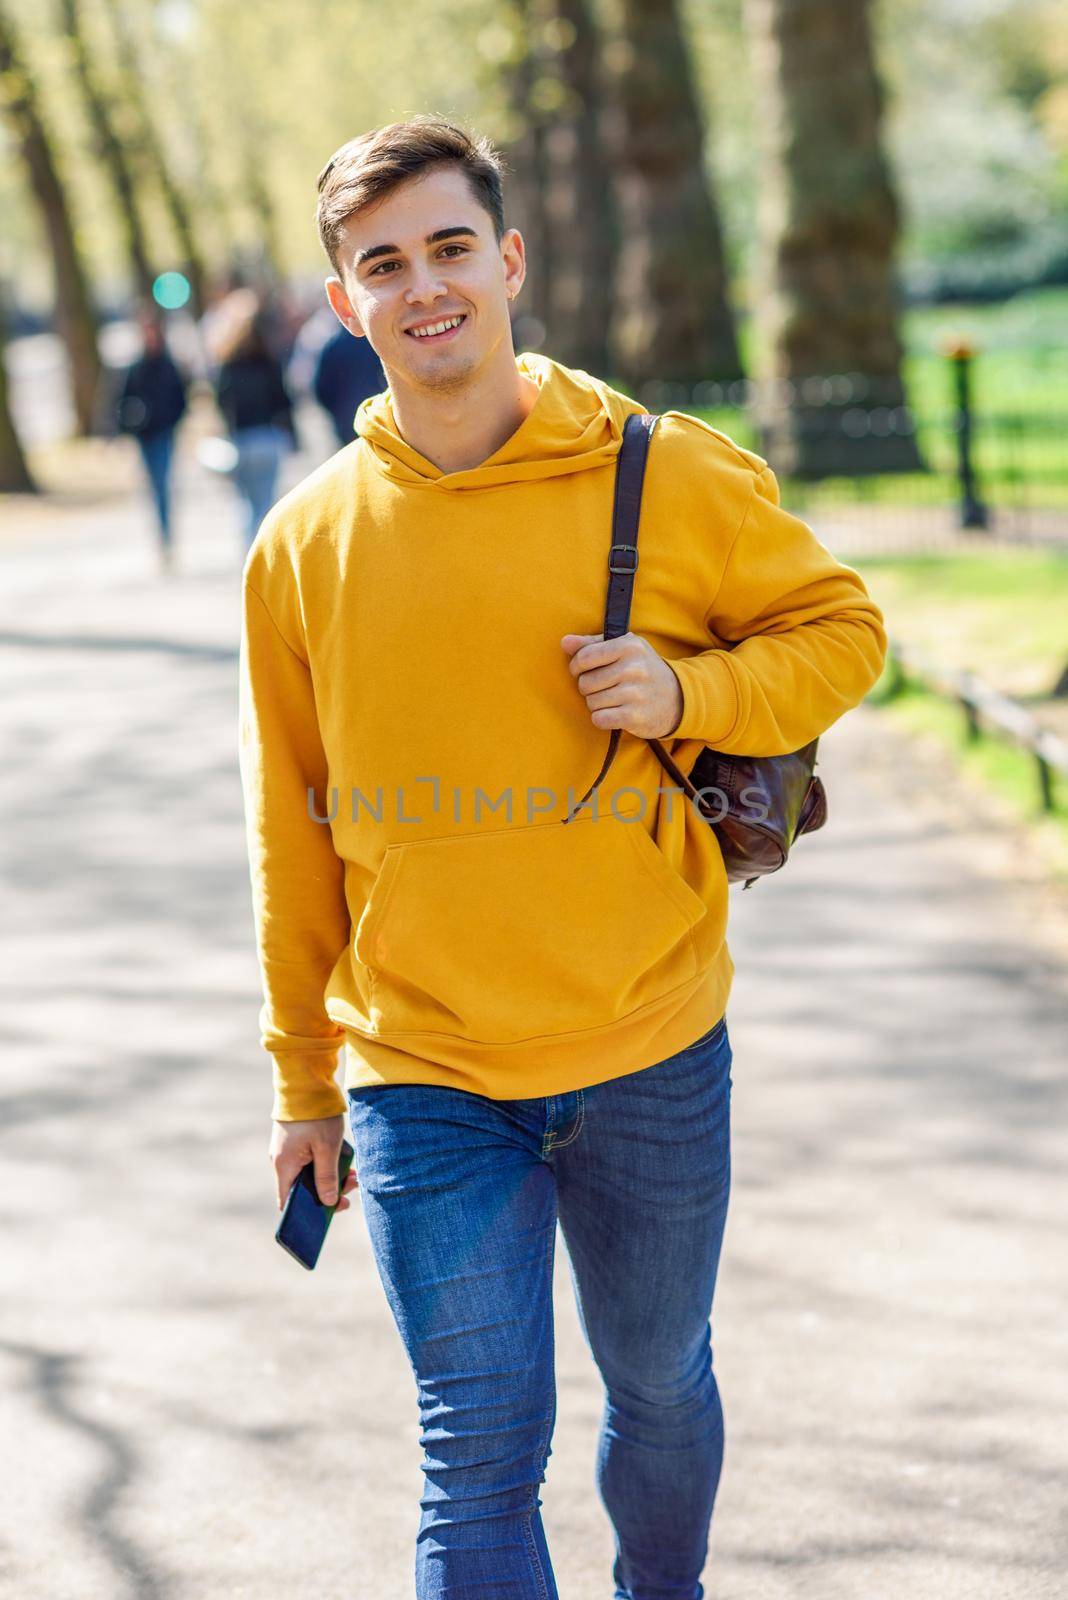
x=520, y=933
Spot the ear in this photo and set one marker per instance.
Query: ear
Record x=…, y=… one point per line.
x=341, y=306
x=513, y=257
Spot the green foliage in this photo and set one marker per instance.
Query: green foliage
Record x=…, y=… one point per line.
x=975, y=135
x=977, y=118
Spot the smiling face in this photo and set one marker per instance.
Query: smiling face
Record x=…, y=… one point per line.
x=423, y=255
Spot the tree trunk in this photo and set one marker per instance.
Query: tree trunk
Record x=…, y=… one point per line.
x=829, y=226
x=672, y=319
x=75, y=316
x=261, y=202
x=156, y=157
x=110, y=150
x=15, y=476
x=582, y=226
x=526, y=78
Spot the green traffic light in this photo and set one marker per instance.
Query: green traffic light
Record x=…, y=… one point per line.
x=171, y=290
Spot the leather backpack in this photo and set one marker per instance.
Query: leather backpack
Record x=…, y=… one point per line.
x=756, y=805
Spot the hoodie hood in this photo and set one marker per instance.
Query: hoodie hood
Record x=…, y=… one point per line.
x=575, y=423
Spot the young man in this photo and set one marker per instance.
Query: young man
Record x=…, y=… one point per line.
x=532, y=1015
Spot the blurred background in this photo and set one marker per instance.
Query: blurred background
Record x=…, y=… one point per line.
x=836, y=230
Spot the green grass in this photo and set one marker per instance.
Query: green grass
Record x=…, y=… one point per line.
x=1021, y=353
x=1003, y=615
x=1020, y=400
x=992, y=764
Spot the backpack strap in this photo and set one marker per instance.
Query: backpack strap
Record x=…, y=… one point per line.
x=623, y=551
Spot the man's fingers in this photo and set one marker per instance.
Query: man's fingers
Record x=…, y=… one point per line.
x=575, y=641
x=294, y=1144
x=590, y=650
x=285, y=1177
x=618, y=674
x=350, y=1183
x=326, y=1176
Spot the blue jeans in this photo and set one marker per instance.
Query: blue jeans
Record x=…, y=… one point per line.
x=157, y=452
x=461, y=1195
x=259, y=456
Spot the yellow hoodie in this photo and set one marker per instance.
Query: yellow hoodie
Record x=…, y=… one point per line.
x=411, y=737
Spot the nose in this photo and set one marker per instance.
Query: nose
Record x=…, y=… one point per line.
x=423, y=287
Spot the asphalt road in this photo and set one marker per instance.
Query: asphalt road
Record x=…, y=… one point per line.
x=188, y=1414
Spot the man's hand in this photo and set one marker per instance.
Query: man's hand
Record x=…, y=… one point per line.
x=294, y=1144
x=626, y=684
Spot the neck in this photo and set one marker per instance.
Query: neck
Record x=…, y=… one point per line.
x=460, y=427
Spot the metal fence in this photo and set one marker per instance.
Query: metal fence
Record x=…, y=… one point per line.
x=987, y=476
x=987, y=710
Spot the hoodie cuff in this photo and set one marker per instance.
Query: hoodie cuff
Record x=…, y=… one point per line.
x=304, y=1086
x=709, y=697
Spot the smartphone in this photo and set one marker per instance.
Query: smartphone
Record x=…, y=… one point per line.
x=305, y=1219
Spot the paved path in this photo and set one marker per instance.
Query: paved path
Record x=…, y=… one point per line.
x=188, y=1416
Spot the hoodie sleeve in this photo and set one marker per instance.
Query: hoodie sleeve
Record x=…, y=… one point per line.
x=298, y=900
x=804, y=642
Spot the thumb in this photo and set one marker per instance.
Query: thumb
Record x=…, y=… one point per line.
x=574, y=641
x=326, y=1177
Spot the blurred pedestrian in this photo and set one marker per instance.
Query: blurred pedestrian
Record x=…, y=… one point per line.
x=151, y=402
x=347, y=371
x=251, y=393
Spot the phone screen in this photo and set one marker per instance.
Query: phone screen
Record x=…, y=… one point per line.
x=304, y=1220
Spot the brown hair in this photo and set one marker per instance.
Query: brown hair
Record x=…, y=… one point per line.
x=368, y=167
x=240, y=331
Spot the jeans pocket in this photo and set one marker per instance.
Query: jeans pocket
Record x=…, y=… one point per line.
x=706, y=1039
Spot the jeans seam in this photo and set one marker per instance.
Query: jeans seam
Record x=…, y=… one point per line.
x=563, y=1143
x=542, y=1447
x=550, y=1126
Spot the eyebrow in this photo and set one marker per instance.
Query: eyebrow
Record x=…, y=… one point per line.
x=395, y=249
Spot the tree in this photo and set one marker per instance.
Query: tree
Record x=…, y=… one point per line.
x=556, y=193
x=530, y=94
x=75, y=316
x=829, y=223
x=109, y=149
x=672, y=313
x=156, y=156
x=15, y=476
x=255, y=167
x=581, y=221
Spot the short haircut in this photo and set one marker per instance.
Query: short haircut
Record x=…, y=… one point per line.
x=365, y=169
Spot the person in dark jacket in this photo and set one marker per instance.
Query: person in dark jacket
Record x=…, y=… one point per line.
x=346, y=372
x=251, y=394
x=151, y=402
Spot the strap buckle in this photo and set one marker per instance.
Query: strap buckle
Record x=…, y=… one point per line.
x=628, y=566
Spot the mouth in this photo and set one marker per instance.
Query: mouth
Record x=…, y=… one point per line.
x=438, y=338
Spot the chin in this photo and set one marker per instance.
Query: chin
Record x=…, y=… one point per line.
x=447, y=371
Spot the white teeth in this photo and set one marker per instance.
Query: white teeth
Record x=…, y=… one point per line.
x=438, y=327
